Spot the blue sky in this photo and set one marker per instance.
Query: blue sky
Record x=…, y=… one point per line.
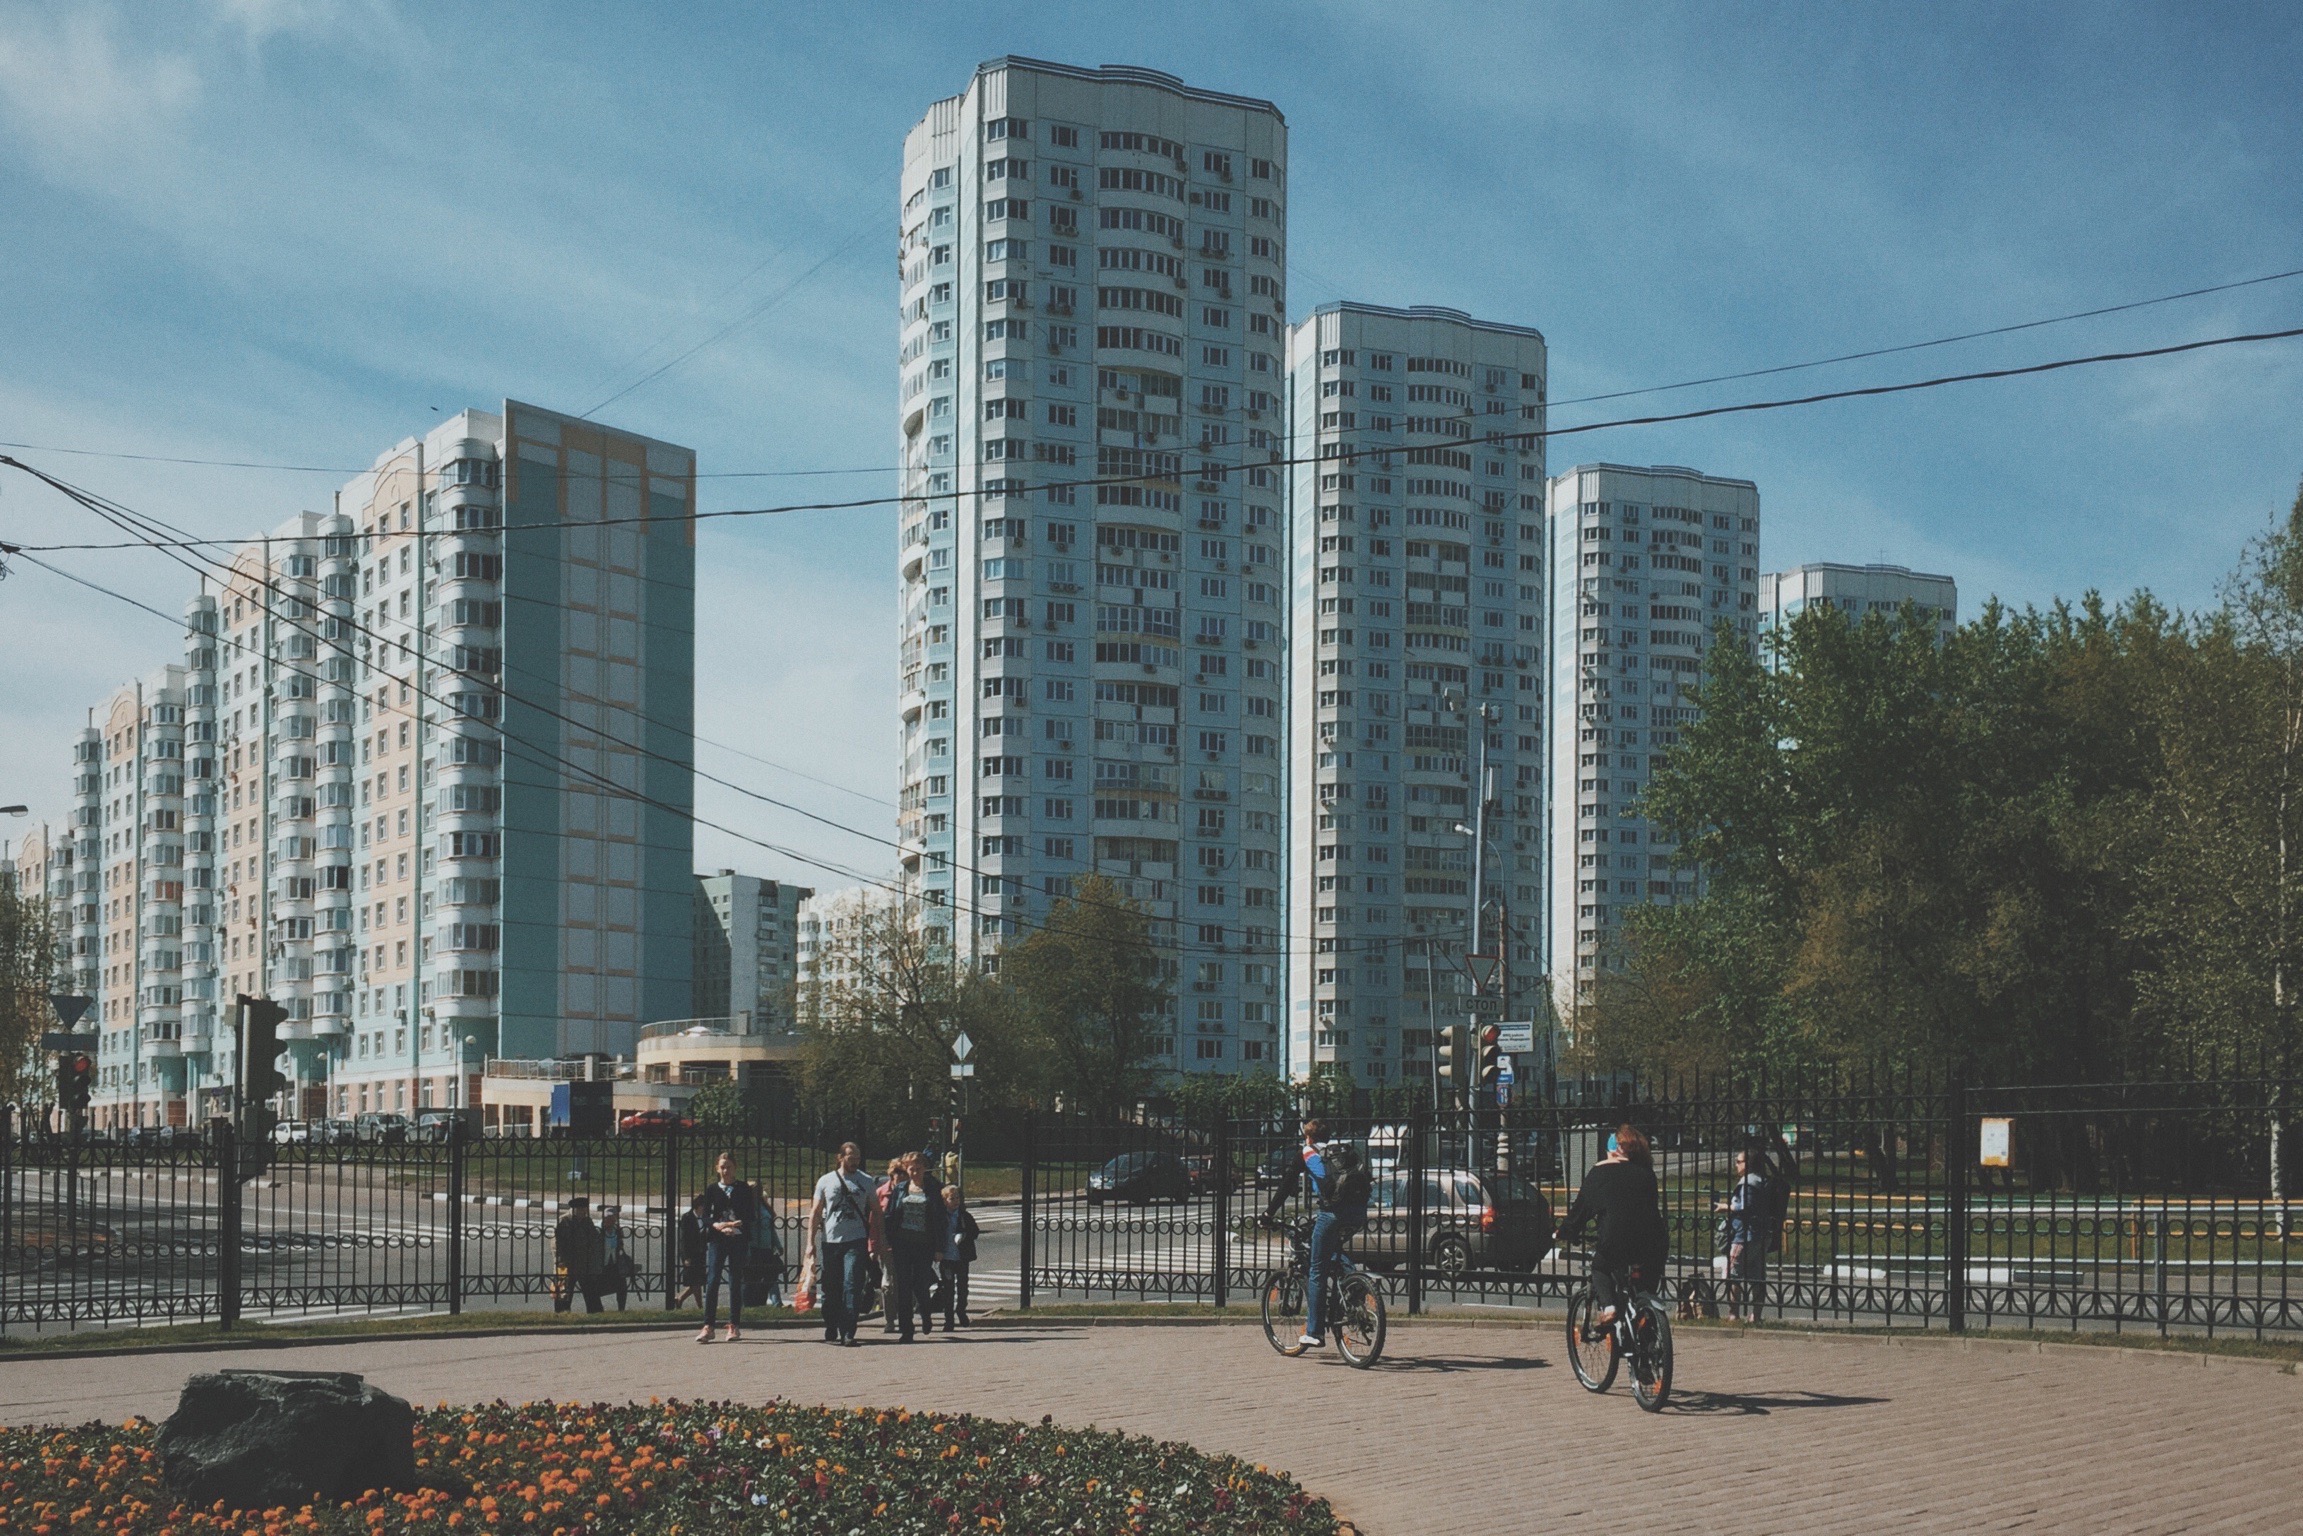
x=286, y=230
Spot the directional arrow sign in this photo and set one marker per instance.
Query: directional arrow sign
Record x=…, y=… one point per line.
x=963, y=1047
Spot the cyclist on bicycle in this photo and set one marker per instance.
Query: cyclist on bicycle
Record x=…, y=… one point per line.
x=1341, y=1186
x=1621, y=1195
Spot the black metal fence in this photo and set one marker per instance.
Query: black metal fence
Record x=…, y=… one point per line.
x=2148, y=1205
x=100, y=1231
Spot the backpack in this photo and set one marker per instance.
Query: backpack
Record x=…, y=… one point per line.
x=1774, y=1209
x=1352, y=1182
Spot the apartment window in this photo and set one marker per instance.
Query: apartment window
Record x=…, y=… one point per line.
x=1064, y=138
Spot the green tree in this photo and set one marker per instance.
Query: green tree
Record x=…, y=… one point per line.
x=27, y=975
x=878, y=1016
x=1087, y=993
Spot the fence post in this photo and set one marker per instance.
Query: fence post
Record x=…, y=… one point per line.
x=2159, y=1264
x=1024, y=1255
x=671, y=1216
x=1222, y=1210
x=1955, y=1207
x=7, y=1200
x=455, y=1217
x=227, y=1225
x=1419, y=1123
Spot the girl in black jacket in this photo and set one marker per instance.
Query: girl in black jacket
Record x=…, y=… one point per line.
x=957, y=1253
x=1621, y=1195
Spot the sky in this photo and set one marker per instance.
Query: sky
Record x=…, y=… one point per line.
x=297, y=231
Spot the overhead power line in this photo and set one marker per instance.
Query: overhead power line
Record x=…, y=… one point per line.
x=889, y=469
x=1352, y=455
x=1939, y=341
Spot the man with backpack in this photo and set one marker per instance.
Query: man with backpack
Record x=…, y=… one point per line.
x=844, y=1227
x=1341, y=1184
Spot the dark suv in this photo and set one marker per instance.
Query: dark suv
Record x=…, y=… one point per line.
x=1472, y=1220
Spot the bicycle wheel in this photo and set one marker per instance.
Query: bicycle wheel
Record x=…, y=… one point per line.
x=1360, y=1322
x=1651, y=1357
x=1590, y=1350
x=1283, y=1312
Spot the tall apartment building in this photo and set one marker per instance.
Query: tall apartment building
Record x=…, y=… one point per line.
x=1644, y=564
x=1857, y=590
x=422, y=777
x=1093, y=328
x=746, y=955
x=1418, y=602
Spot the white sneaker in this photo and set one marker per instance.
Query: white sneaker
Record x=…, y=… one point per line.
x=1312, y=1339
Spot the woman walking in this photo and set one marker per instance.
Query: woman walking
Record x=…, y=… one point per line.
x=917, y=1229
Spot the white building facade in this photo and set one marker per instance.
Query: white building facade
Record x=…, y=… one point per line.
x=1417, y=617
x=1644, y=563
x=420, y=778
x=1092, y=649
x=746, y=946
x=1858, y=590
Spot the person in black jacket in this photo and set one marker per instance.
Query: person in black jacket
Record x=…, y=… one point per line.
x=1621, y=1195
x=729, y=1209
x=959, y=1251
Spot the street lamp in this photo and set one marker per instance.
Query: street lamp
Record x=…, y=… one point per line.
x=15, y=810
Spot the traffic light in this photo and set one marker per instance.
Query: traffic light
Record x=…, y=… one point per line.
x=1451, y=1062
x=1490, y=1053
x=75, y=1075
x=259, y=1036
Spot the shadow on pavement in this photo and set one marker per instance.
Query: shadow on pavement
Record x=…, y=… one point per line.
x=1450, y=1364
x=1750, y=1404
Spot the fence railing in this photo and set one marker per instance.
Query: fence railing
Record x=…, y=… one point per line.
x=95, y=1231
x=2159, y=1206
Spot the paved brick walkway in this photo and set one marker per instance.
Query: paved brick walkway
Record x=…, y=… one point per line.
x=1472, y=1429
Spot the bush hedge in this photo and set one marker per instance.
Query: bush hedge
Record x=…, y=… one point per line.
x=688, y=1469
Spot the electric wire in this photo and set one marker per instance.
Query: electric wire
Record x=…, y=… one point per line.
x=120, y=515
x=1351, y=455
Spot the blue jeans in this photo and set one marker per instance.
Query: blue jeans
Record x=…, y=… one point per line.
x=724, y=1259
x=843, y=1287
x=1329, y=1232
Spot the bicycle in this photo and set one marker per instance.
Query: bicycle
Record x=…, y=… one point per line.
x=1353, y=1304
x=1641, y=1332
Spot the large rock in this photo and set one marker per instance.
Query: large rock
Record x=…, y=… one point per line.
x=263, y=1439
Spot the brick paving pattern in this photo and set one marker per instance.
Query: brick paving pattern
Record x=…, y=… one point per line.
x=1468, y=1429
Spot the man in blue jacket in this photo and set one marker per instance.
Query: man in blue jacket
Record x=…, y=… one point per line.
x=1341, y=1187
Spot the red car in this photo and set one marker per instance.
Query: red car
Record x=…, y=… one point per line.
x=654, y=1122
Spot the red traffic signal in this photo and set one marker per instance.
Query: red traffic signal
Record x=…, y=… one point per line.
x=75, y=1079
x=1490, y=1052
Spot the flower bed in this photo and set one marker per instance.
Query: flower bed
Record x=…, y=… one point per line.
x=688, y=1469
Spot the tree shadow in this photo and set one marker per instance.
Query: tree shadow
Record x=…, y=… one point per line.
x=1755, y=1404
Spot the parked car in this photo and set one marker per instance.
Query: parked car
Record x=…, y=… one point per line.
x=654, y=1122
x=390, y=1129
x=1473, y=1219
x=292, y=1133
x=1140, y=1177
x=333, y=1133
x=1201, y=1170
x=1273, y=1170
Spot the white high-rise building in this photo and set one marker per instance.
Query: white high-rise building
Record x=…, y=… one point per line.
x=1092, y=343
x=1857, y=590
x=1644, y=564
x=747, y=936
x=1418, y=603
x=421, y=777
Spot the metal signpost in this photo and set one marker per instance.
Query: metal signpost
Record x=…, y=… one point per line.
x=962, y=1071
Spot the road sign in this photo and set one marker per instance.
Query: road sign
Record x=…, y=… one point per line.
x=69, y=1006
x=1483, y=1003
x=1503, y=1071
x=58, y=1040
x=963, y=1047
x=1502, y=1092
x=1518, y=1038
x=963, y=1069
